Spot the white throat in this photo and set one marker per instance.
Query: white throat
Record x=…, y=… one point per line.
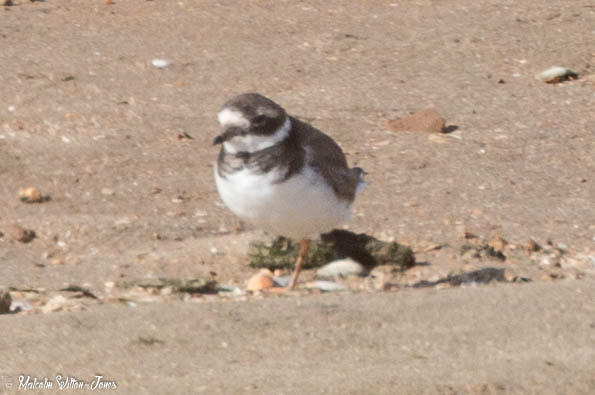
x=252, y=143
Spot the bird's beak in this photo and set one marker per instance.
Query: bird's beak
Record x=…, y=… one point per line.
x=228, y=134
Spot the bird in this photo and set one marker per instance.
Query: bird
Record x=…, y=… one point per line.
x=281, y=174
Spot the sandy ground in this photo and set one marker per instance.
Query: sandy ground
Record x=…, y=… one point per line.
x=123, y=150
x=536, y=340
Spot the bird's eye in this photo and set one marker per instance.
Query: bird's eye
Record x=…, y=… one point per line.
x=258, y=120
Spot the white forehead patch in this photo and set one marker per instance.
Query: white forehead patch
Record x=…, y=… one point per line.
x=229, y=118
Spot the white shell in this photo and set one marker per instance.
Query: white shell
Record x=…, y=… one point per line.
x=554, y=72
x=160, y=63
x=340, y=268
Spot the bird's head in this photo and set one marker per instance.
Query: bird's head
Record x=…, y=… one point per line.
x=251, y=122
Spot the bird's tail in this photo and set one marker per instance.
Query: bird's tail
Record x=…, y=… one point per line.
x=362, y=184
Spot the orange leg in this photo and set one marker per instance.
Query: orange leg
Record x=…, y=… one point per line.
x=304, y=246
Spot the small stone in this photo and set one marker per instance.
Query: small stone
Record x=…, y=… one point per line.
x=428, y=120
x=556, y=74
x=282, y=281
x=18, y=233
x=340, y=268
x=184, y=135
x=5, y=301
x=107, y=192
x=545, y=261
x=470, y=254
x=532, y=246
x=259, y=282
x=56, y=303
x=381, y=277
x=382, y=285
x=553, y=275
x=57, y=261
x=21, y=305
x=509, y=277
x=30, y=195
x=469, y=235
x=160, y=63
x=325, y=286
x=563, y=248
x=48, y=254
x=166, y=291
x=498, y=244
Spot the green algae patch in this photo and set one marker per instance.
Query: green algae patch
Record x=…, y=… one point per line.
x=281, y=252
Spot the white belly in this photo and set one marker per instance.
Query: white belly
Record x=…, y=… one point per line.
x=302, y=206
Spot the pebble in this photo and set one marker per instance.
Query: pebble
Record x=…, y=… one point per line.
x=562, y=247
x=469, y=235
x=18, y=233
x=5, y=301
x=545, y=260
x=325, y=286
x=260, y=281
x=428, y=120
x=498, y=244
x=107, y=191
x=21, y=305
x=471, y=254
x=509, y=276
x=556, y=74
x=340, y=268
x=160, y=63
x=282, y=281
x=381, y=277
x=30, y=195
x=532, y=246
x=55, y=304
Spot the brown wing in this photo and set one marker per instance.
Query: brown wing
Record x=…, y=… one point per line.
x=328, y=159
